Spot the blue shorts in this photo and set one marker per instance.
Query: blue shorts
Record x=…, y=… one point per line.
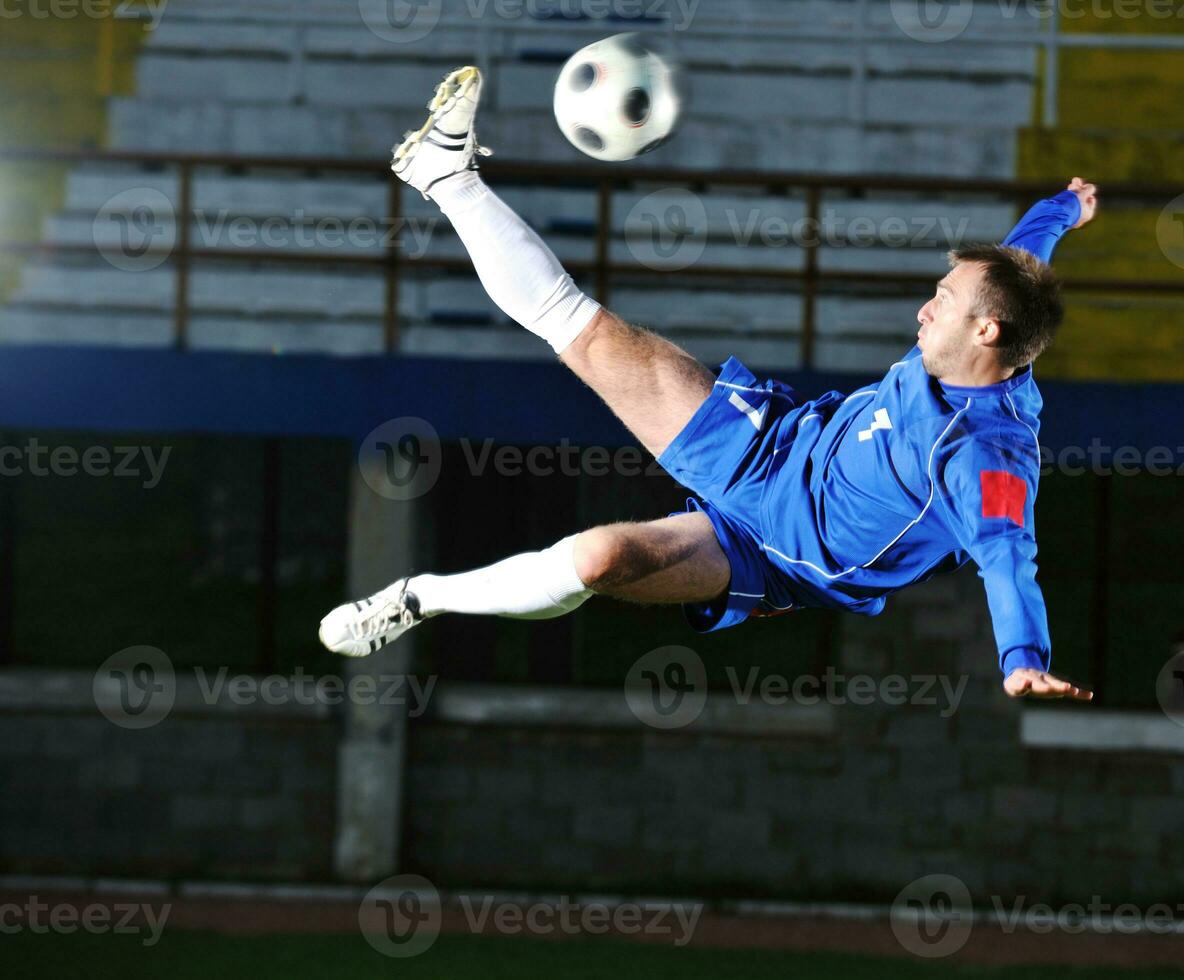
x=724, y=454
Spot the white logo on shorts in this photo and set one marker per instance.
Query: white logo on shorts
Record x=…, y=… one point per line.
x=755, y=416
x=881, y=422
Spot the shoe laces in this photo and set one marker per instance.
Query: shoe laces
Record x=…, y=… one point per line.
x=379, y=620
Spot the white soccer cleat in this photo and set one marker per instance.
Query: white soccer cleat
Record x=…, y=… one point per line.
x=361, y=628
x=447, y=143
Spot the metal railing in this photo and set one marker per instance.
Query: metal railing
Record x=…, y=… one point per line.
x=810, y=280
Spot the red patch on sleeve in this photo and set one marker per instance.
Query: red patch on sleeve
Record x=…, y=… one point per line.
x=1003, y=495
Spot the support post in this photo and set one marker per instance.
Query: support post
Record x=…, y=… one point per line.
x=371, y=754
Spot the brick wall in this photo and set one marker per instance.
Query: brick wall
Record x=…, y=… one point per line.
x=898, y=793
x=237, y=796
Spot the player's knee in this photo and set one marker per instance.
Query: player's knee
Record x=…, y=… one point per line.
x=607, y=557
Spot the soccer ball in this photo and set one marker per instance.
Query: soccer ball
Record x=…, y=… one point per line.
x=616, y=99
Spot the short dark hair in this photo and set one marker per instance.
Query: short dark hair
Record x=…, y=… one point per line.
x=1022, y=293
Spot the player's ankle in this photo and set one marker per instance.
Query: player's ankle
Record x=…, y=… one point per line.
x=459, y=191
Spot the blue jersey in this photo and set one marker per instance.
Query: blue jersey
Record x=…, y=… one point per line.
x=870, y=492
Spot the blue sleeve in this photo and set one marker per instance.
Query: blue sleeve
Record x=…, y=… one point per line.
x=988, y=496
x=1045, y=224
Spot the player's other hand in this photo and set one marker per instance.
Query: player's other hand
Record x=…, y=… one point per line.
x=1029, y=682
x=1087, y=194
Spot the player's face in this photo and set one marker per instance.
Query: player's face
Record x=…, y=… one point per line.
x=946, y=322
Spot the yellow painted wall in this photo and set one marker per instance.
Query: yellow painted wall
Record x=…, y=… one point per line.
x=1120, y=117
x=55, y=77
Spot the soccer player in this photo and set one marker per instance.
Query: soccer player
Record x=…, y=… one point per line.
x=834, y=502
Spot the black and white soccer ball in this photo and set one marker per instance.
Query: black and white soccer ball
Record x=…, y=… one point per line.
x=616, y=99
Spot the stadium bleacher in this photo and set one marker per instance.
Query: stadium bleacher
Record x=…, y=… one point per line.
x=313, y=79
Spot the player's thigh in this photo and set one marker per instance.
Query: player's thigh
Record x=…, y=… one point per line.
x=675, y=559
x=653, y=386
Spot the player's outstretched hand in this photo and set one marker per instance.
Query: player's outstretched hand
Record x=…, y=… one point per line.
x=1029, y=682
x=1087, y=194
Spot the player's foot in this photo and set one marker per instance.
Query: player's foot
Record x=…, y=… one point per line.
x=447, y=143
x=361, y=628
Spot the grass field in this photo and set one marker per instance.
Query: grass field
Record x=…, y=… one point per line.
x=198, y=956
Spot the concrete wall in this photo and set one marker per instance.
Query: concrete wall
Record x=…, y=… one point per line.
x=233, y=796
x=877, y=796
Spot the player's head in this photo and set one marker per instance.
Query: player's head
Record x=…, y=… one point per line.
x=997, y=307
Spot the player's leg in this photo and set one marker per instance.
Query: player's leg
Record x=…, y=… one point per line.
x=653, y=386
x=674, y=560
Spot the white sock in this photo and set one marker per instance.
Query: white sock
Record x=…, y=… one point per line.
x=519, y=272
x=536, y=585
